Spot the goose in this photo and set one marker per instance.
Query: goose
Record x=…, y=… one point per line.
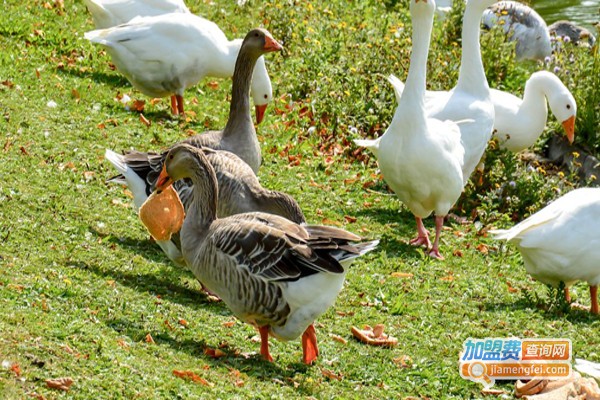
x=165, y=54
x=108, y=13
x=576, y=34
x=518, y=123
x=421, y=157
x=560, y=243
x=239, y=188
x=271, y=272
x=523, y=25
x=239, y=134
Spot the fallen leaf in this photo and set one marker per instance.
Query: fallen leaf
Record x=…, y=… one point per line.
x=350, y=219
x=331, y=375
x=149, y=339
x=327, y=221
x=75, y=94
x=183, y=322
x=402, y=275
x=59, y=383
x=24, y=150
x=214, y=353
x=338, y=338
x=482, y=248
x=8, y=84
x=145, y=121
x=403, y=361
x=138, y=105
x=192, y=376
x=511, y=288
x=16, y=369
x=493, y=392
x=228, y=324
x=457, y=253
x=213, y=85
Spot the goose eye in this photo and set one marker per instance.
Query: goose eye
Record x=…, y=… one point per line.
x=171, y=157
x=266, y=96
x=568, y=106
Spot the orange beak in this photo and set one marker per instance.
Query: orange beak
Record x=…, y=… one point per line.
x=260, y=113
x=163, y=181
x=569, y=126
x=271, y=44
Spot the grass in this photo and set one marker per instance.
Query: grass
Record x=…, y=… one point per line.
x=84, y=293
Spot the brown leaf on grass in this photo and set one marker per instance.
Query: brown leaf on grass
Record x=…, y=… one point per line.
x=401, y=275
x=229, y=324
x=368, y=184
x=75, y=94
x=16, y=369
x=350, y=219
x=145, y=121
x=37, y=73
x=214, y=353
x=345, y=313
x=338, y=338
x=8, y=84
x=154, y=101
x=24, y=150
x=138, y=105
x=327, y=221
x=59, y=383
x=510, y=288
x=149, y=339
x=189, y=375
x=331, y=375
x=403, y=361
x=482, y=248
x=213, y=85
x=457, y=253
x=183, y=322
x=37, y=396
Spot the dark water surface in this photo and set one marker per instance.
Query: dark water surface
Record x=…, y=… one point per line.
x=581, y=12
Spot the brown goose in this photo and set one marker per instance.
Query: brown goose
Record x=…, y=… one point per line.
x=273, y=273
x=239, y=189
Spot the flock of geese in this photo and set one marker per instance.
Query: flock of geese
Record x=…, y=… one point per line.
x=251, y=246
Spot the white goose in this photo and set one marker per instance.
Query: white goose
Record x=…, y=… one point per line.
x=107, y=13
x=560, y=243
x=273, y=273
x=518, y=123
x=165, y=54
x=421, y=158
x=522, y=24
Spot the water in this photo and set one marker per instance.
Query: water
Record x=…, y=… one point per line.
x=584, y=13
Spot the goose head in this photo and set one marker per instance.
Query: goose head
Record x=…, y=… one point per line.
x=422, y=7
x=260, y=41
x=185, y=161
x=262, y=91
x=563, y=106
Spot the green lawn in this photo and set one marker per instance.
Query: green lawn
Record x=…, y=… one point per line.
x=85, y=294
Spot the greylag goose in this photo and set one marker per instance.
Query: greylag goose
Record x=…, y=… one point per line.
x=577, y=34
x=522, y=25
x=107, y=13
x=560, y=242
x=165, y=54
x=518, y=123
x=272, y=273
x=239, y=189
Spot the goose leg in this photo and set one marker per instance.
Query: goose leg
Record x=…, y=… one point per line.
x=310, y=351
x=422, y=238
x=264, y=342
x=568, y=295
x=174, y=109
x=594, y=296
x=435, y=251
x=180, y=110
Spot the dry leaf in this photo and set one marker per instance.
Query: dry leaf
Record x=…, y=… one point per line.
x=192, y=376
x=228, y=324
x=403, y=361
x=402, y=275
x=213, y=85
x=149, y=339
x=350, y=219
x=75, y=94
x=138, y=105
x=510, y=288
x=214, y=353
x=338, y=338
x=59, y=383
x=183, y=322
x=16, y=369
x=374, y=336
x=482, y=248
x=331, y=375
x=145, y=121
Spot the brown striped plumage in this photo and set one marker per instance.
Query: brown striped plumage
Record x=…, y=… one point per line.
x=272, y=272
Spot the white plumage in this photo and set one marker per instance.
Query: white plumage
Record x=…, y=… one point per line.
x=107, y=13
x=560, y=243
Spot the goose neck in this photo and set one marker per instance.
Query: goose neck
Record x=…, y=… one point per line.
x=415, y=81
x=239, y=109
x=471, y=75
x=534, y=97
x=203, y=206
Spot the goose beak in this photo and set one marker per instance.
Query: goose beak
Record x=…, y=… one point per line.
x=271, y=44
x=260, y=113
x=569, y=126
x=163, y=181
